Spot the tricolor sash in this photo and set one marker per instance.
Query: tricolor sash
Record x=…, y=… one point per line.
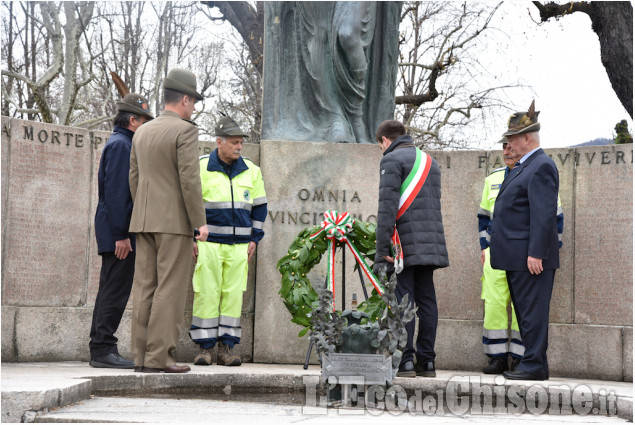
x=408, y=192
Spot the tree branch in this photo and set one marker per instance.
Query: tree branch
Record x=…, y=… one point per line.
x=554, y=10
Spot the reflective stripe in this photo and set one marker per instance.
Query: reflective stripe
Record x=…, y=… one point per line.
x=229, y=321
x=482, y=234
x=483, y=211
x=487, y=237
x=559, y=237
x=495, y=348
x=205, y=323
x=260, y=201
x=517, y=349
x=495, y=333
x=203, y=333
x=229, y=230
x=516, y=335
x=229, y=331
x=257, y=224
x=227, y=205
x=559, y=210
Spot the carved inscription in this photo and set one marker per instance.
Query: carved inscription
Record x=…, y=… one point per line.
x=54, y=137
x=331, y=198
x=605, y=157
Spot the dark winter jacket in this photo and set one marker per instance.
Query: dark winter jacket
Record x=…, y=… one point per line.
x=421, y=226
x=112, y=218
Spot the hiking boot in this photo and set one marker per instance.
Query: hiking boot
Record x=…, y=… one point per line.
x=226, y=356
x=204, y=357
x=495, y=366
x=425, y=369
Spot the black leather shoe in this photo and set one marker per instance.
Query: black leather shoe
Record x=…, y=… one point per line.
x=521, y=375
x=496, y=366
x=425, y=369
x=515, y=363
x=112, y=360
x=407, y=370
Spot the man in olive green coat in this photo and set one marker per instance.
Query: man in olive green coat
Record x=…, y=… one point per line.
x=168, y=206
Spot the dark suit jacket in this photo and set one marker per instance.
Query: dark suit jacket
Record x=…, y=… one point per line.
x=524, y=221
x=114, y=208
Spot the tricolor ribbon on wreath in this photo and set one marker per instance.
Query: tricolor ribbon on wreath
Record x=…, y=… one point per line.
x=408, y=192
x=337, y=226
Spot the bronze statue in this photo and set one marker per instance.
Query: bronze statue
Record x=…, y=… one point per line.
x=330, y=69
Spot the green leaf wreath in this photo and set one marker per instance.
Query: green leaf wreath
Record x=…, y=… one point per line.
x=296, y=290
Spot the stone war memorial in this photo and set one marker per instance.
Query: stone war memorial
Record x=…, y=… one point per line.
x=50, y=265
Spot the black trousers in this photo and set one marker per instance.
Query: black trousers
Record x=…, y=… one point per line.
x=416, y=281
x=531, y=295
x=115, y=283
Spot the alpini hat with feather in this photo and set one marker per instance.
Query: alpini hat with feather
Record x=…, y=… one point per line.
x=135, y=103
x=523, y=122
x=183, y=81
x=228, y=127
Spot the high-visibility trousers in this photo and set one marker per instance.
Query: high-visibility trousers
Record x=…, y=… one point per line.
x=220, y=278
x=496, y=297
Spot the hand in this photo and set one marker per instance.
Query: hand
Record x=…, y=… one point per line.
x=251, y=249
x=195, y=252
x=202, y=233
x=389, y=258
x=122, y=248
x=534, y=265
x=482, y=257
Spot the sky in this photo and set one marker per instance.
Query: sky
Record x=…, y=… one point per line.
x=560, y=60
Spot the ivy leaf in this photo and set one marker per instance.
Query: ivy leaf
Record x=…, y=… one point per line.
x=303, y=332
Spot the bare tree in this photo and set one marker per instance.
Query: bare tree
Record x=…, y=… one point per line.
x=67, y=57
x=439, y=72
x=612, y=21
x=59, y=56
x=248, y=21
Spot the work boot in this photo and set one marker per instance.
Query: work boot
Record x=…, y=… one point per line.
x=204, y=357
x=495, y=366
x=226, y=356
x=425, y=369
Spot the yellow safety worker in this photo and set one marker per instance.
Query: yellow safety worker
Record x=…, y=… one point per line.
x=236, y=208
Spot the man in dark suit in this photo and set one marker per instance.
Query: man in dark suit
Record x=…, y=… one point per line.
x=114, y=243
x=524, y=239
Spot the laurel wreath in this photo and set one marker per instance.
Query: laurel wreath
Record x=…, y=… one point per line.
x=297, y=291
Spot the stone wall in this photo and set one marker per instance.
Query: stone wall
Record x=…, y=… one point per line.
x=50, y=267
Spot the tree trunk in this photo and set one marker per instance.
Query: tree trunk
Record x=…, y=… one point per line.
x=613, y=23
x=249, y=23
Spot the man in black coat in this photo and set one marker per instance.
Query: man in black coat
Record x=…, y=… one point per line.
x=114, y=243
x=416, y=212
x=524, y=240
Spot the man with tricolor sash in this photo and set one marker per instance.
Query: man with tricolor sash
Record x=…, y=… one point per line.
x=410, y=236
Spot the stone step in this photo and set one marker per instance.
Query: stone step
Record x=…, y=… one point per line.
x=177, y=409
